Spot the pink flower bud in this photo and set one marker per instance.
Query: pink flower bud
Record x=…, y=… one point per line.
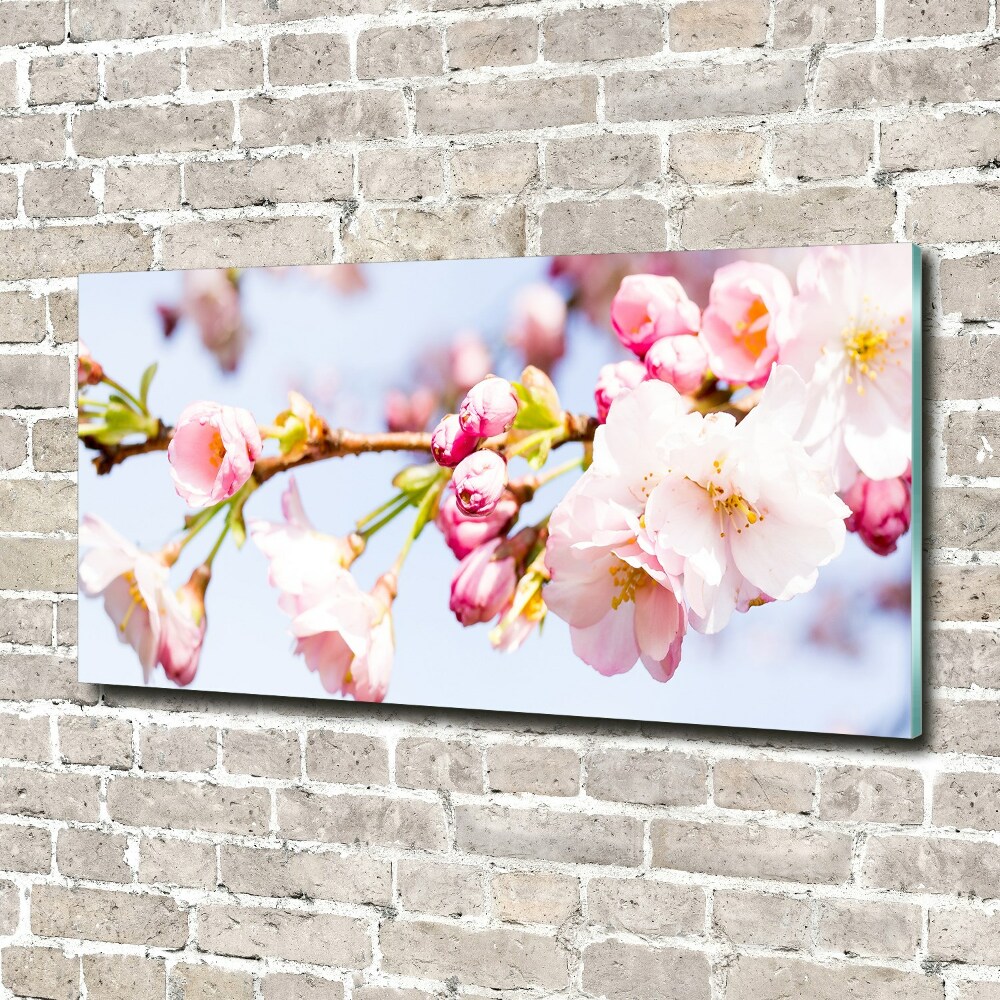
x=464, y=533
x=482, y=586
x=681, y=361
x=479, y=483
x=469, y=360
x=409, y=412
x=489, y=408
x=538, y=325
x=212, y=453
x=648, y=307
x=88, y=371
x=449, y=443
x=880, y=510
x=614, y=381
x=183, y=627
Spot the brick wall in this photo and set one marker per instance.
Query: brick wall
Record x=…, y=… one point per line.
x=185, y=846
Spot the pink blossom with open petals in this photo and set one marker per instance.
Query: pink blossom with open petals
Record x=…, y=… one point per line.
x=134, y=585
x=738, y=328
x=616, y=380
x=648, y=307
x=480, y=481
x=463, y=533
x=681, y=361
x=538, y=325
x=620, y=604
x=449, y=443
x=483, y=584
x=489, y=407
x=343, y=632
x=88, y=371
x=849, y=334
x=880, y=510
x=212, y=452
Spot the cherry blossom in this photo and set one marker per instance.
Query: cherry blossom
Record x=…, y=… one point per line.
x=133, y=583
x=483, y=584
x=880, y=510
x=489, y=408
x=616, y=380
x=463, y=533
x=848, y=333
x=480, y=481
x=648, y=307
x=212, y=452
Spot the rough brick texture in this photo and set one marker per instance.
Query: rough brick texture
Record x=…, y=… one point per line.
x=190, y=847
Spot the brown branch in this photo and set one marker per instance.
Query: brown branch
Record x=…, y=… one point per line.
x=333, y=444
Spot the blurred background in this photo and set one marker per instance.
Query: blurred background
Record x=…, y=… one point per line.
x=391, y=344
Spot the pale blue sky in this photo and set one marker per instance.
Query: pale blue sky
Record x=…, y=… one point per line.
x=762, y=671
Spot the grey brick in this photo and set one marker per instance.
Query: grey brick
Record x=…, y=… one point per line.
x=622, y=970
x=506, y=959
x=645, y=906
x=508, y=41
x=595, y=34
x=763, y=920
x=536, y=769
x=808, y=22
x=602, y=161
x=700, y=25
x=294, y=60
x=661, y=778
x=54, y=445
x=547, y=835
x=123, y=977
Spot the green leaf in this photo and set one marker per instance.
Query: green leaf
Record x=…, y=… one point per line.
x=415, y=480
x=540, y=408
x=146, y=382
x=539, y=455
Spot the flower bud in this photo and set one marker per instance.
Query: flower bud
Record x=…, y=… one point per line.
x=482, y=586
x=681, y=361
x=183, y=626
x=463, y=533
x=489, y=408
x=88, y=371
x=648, y=307
x=880, y=510
x=614, y=381
x=479, y=483
x=449, y=443
x=538, y=325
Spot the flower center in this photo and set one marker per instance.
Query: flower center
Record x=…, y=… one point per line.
x=870, y=345
x=627, y=581
x=751, y=331
x=732, y=503
x=216, y=451
x=137, y=600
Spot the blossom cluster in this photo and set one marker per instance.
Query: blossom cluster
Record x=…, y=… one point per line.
x=748, y=428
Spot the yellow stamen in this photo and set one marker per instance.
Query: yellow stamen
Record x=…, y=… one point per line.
x=137, y=600
x=628, y=580
x=752, y=331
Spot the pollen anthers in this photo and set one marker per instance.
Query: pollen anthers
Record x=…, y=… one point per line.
x=730, y=502
x=871, y=342
x=137, y=599
x=627, y=580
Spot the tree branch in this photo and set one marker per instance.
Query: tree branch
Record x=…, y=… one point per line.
x=333, y=444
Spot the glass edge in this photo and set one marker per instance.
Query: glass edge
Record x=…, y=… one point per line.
x=917, y=495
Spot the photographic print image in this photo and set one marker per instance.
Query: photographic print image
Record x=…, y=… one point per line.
x=670, y=487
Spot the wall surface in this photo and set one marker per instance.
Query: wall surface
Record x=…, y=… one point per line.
x=161, y=846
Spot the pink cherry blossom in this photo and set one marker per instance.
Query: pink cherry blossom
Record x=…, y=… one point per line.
x=183, y=629
x=449, y=443
x=749, y=513
x=463, y=533
x=212, y=452
x=479, y=482
x=738, y=328
x=538, y=325
x=681, y=361
x=489, y=407
x=469, y=360
x=211, y=301
x=848, y=333
x=483, y=584
x=620, y=604
x=648, y=307
x=409, y=412
x=134, y=585
x=880, y=510
x=616, y=380
x=88, y=371
x=343, y=633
